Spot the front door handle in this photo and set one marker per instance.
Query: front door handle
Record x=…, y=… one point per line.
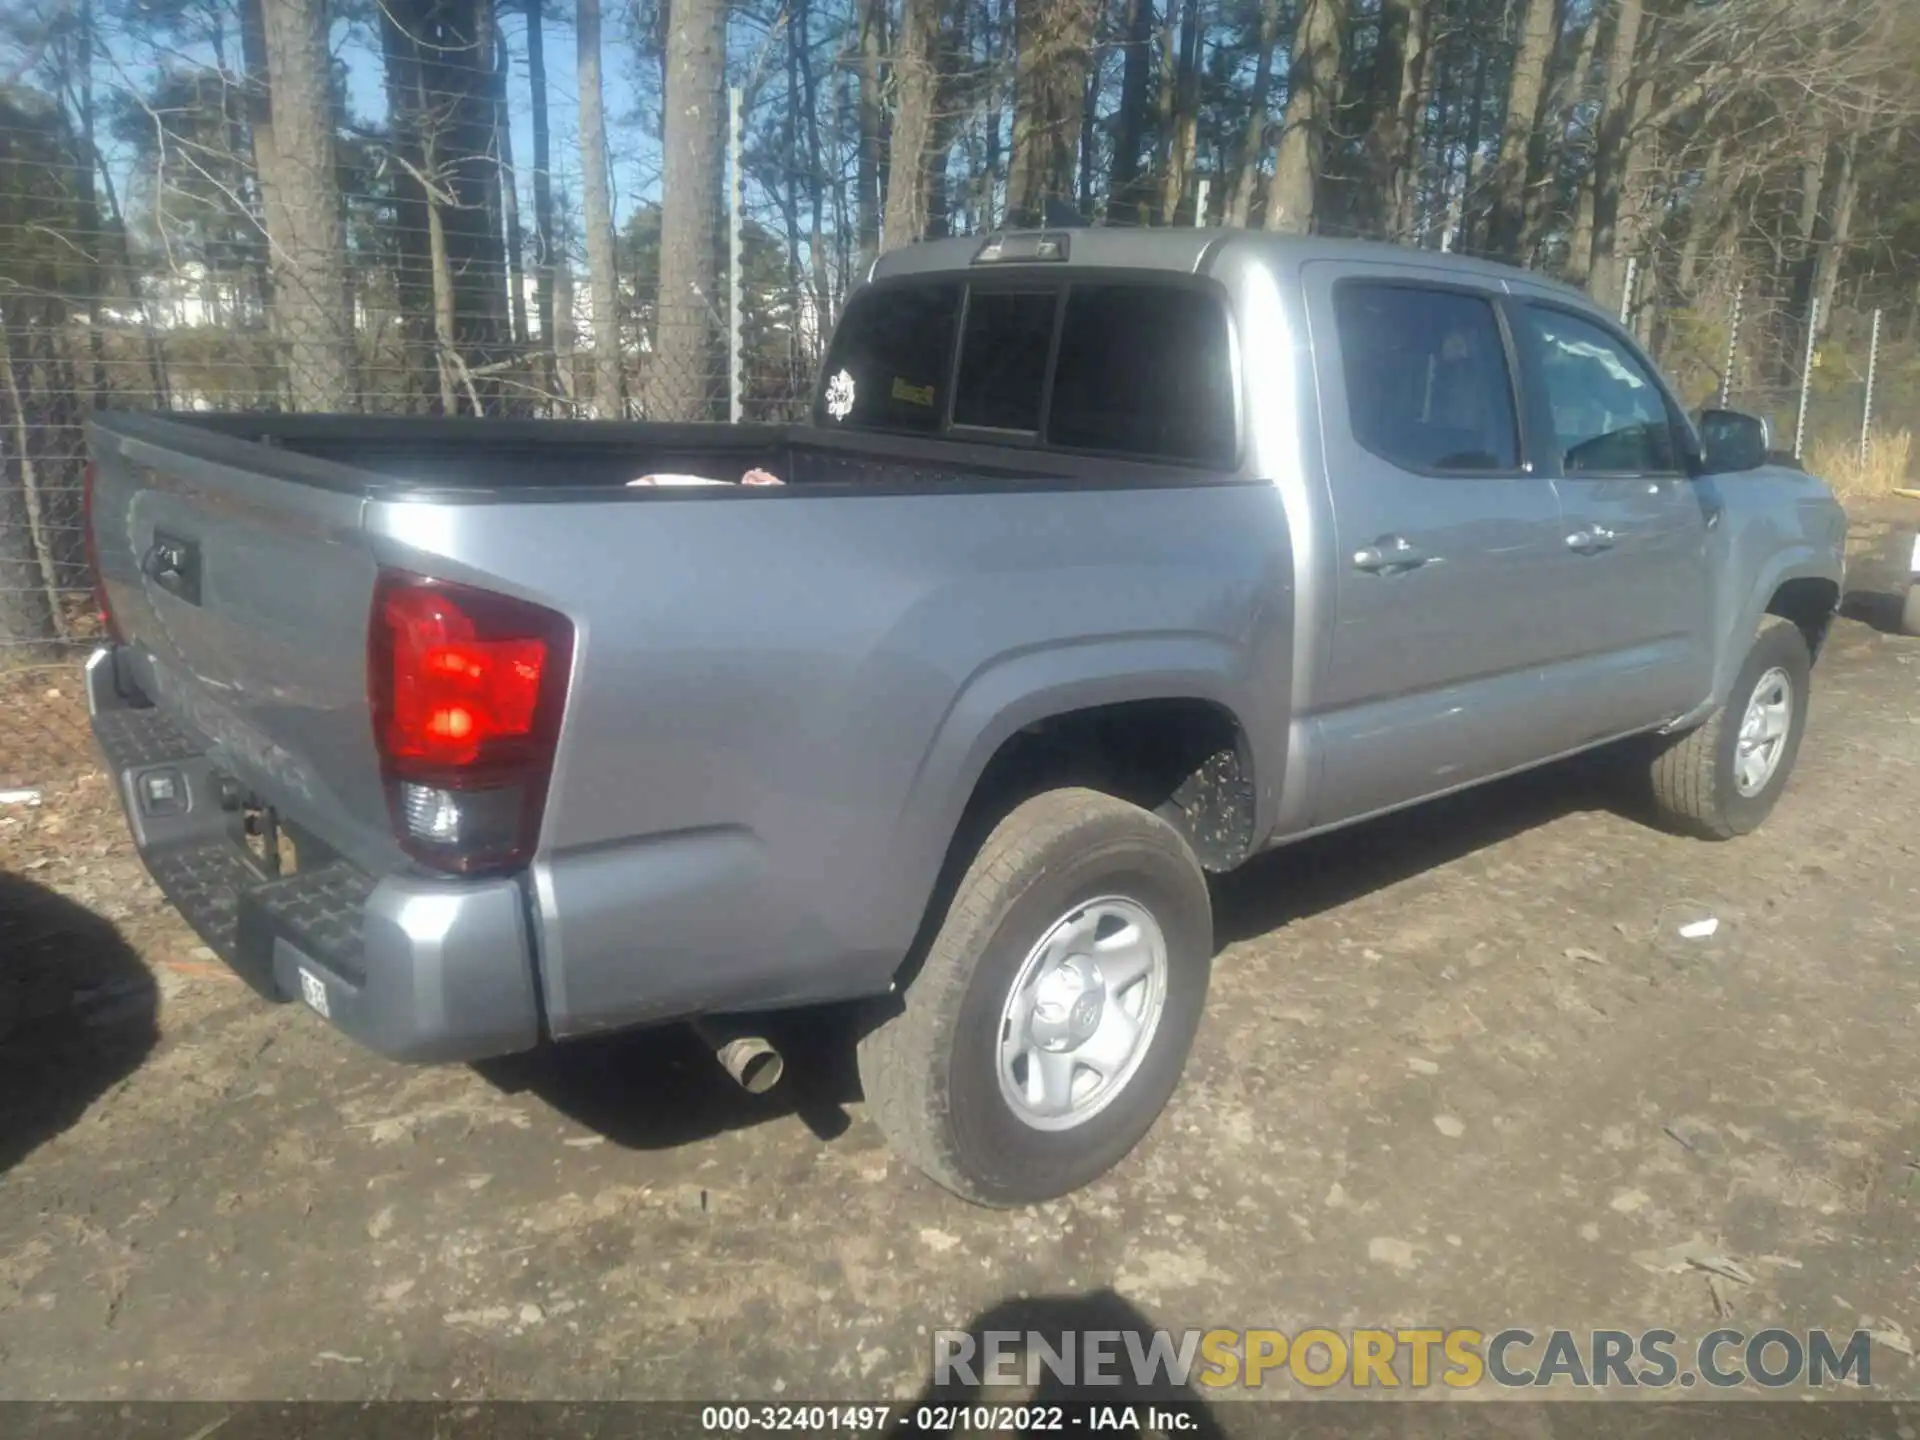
x=1591, y=540
x=1389, y=555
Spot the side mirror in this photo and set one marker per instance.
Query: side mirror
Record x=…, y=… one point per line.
x=1734, y=441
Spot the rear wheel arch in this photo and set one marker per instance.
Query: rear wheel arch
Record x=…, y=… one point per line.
x=1187, y=758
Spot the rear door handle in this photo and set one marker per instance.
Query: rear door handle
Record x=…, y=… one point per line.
x=1390, y=554
x=1591, y=540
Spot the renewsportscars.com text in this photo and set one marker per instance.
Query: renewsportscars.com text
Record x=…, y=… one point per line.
x=1409, y=1358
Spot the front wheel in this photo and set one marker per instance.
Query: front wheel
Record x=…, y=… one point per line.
x=1052, y=1017
x=1724, y=777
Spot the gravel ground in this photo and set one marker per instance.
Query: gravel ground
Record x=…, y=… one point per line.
x=1459, y=1068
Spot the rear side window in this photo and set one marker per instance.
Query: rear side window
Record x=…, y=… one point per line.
x=1427, y=381
x=890, y=358
x=1145, y=370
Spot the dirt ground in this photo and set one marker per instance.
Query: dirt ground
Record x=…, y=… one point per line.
x=1459, y=1068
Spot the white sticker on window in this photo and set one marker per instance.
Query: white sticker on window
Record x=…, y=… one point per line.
x=840, y=396
x=313, y=990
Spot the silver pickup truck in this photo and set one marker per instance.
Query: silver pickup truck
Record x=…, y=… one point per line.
x=1109, y=559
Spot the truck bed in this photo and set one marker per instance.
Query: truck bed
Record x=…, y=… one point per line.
x=388, y=456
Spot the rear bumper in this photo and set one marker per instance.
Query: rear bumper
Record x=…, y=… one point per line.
x=414, y=967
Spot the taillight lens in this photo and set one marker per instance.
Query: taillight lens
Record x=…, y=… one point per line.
x=467, y=689
x=87, y=475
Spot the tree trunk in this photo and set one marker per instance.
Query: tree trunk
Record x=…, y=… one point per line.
x=1611, y=156
x=873, y=23
x=680, y=378
x=1833, y=249
x=1520, y=168
x=446, y=342
x=1050, y=77
x=484, y=161
x=1386, y=116
x=1437, y=156
x=1089, y=143
x=1136, y=72
x=800, y=333
x=1183, y=129
x=509, y=191
x=1702, y=216
x=603, y=274
x=1414, y=64
x=565, y=337
x=545, y=258
x=300, y=188
x=1570, y=94
x=1310, y=81
x=1253, y=144
x=29, y=618
x=816, y=170
x=916, y=76
x=442, y=86
x=89, y=206
x=412, y=264
x=1467, y=205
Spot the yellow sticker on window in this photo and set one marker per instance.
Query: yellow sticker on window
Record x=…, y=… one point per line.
x=912, y=394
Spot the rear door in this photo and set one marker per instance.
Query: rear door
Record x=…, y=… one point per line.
x=1635, y=589
x=1444, y=538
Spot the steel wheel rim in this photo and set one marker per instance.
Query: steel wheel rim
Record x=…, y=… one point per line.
x=1081, y=1013
x=1763, y=732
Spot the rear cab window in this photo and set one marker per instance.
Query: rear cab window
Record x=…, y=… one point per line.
x=1141, y=369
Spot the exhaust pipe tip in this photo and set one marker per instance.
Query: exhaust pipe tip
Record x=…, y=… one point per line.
x=751, y=1060
x=754, y=1064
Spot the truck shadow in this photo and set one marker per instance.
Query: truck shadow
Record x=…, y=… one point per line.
x=78, y=1014
x=1302, y=880
x=1877, y=608
x=661, y=1088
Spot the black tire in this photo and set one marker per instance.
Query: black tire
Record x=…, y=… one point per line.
x=930, y=1070
x=1910, y=611
x=1693, y=781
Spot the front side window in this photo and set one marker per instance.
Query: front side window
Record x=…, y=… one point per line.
x=891, y=354
x=1609, y=416
x=1427, y=381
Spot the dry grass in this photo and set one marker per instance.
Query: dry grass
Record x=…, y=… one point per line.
x=1881, y=471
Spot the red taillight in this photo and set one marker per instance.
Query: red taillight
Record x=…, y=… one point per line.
x=467, y=688
x=93, y=553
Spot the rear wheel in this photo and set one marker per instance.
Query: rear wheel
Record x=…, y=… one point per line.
x=1056, y=1006
x=1724, y=777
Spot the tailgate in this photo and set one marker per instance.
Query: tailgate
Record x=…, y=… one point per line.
x=238, y=579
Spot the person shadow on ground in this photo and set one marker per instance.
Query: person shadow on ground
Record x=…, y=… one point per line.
x=79, y=1012
x=1062, y=1321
